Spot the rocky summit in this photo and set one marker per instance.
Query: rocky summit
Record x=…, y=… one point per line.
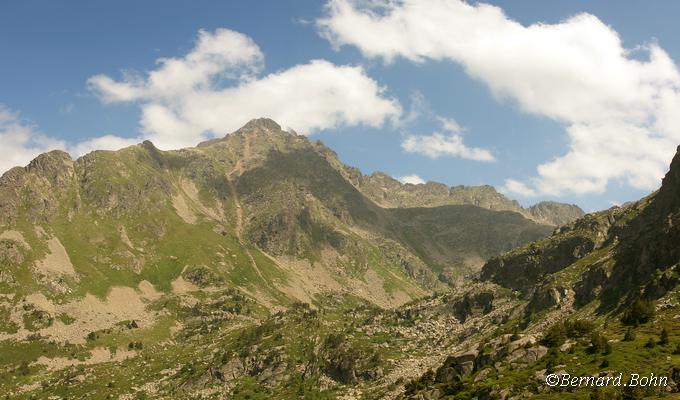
x=259, y=266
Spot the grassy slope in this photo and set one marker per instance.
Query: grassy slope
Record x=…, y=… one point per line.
x=133, y=188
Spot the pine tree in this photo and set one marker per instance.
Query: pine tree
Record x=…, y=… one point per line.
x=663, y=340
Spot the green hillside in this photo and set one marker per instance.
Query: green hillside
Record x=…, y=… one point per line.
x=110, y=261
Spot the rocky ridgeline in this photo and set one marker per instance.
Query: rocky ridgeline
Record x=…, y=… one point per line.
x=389, y=192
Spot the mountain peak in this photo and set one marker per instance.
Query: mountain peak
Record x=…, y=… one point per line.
x=52, y=161
x=261, y=124
x=673, y=175
x=667, y=197
x=555, y=213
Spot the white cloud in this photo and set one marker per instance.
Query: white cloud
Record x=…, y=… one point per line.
x=450, y=125
x=224, y=54
x=211, y=91
x=417, y=109
x=106, y=142
x=619, y=105
x=450, y=144
x=216, y=88
x=412, y=179
x=22, y=141
x=517, y=188
x=437, y=145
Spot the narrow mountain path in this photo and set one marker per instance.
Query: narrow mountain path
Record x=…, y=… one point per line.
x=238, y=168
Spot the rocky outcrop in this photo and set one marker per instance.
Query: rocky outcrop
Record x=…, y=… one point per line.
x=38, y=188
x=554, y=213
x=548, y=296
x=501, y=353
x=523, y=268
x=590, y=286
x=526, y=266
x=473, y=305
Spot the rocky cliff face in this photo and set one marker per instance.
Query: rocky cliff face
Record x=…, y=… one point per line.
x=525, y=266
x=612, y=254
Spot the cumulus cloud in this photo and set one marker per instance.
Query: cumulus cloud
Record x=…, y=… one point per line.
x=22, y=141
x=217, y=87
x=223, y=54
x=412, y=179
x=619, y=105
x=518, y=188
x=449, y=144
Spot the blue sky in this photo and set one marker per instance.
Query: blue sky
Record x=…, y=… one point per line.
x=431, y=101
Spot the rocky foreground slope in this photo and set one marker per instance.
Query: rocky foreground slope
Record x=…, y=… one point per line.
x=599, y=297
x=256, y=264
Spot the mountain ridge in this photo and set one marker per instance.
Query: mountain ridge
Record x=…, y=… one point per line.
x=389, y=192
x=271, y=195
x=251, y=267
